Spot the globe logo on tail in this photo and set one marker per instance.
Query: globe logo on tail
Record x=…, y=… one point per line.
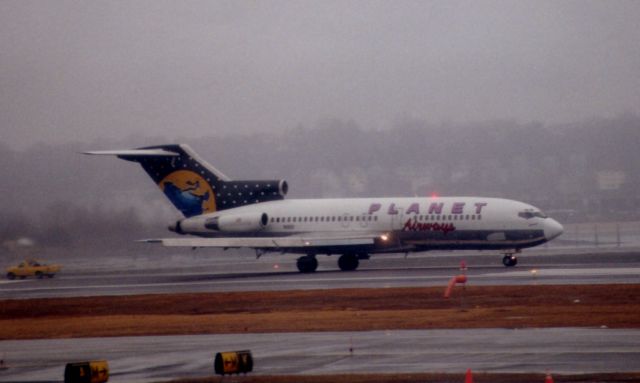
x=189, y=192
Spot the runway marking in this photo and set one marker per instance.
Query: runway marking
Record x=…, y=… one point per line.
x=6, y=282
x=231, y=282
x=605, y=271
x=349, y=279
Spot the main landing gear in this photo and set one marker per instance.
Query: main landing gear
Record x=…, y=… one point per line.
x=307, y=264
x=509, y=260
x=346, y=262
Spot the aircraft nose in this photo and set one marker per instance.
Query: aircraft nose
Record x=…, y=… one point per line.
x=552, y=229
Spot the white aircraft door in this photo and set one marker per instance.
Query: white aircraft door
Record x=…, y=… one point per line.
x=397, y=220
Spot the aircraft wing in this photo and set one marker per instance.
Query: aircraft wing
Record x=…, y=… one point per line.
x=269, y=242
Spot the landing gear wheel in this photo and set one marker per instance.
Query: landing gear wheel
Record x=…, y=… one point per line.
x=509, y=260
x=307, y=264
x=348, y=262
x=11, y=276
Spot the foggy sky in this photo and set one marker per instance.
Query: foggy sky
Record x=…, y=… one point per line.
x=77, y=70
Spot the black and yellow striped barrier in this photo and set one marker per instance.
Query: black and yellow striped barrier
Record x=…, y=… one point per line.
x=96, y=371
x=234, y=362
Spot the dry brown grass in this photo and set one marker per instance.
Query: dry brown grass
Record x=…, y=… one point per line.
x=333, y=310
x=321, y=310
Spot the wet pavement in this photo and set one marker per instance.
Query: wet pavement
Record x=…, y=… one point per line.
x=148, y=274
x=145, y=359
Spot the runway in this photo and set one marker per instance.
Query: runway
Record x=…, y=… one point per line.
x=144, y=359
x=152, y=274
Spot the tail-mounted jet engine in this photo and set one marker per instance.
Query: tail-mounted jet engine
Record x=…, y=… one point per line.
x=224, y=223
x=235, y=223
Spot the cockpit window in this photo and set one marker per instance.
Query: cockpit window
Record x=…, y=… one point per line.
x=528, y=214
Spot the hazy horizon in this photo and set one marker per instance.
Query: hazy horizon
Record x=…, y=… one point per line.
x=90, y=71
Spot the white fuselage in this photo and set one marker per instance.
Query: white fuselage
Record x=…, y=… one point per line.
x=406, y=224
x=226, y=213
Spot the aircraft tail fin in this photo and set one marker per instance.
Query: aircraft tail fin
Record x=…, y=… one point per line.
x=193, y=185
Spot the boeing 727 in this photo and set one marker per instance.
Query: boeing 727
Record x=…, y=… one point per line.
x=223, y=213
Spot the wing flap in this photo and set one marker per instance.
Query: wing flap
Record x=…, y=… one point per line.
x=263, y=242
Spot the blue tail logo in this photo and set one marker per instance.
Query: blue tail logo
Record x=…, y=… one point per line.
x=189, y=192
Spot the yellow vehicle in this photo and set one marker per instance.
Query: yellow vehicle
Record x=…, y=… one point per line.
x=32, y=268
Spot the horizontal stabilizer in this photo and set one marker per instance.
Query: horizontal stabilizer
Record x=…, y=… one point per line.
x=133, y=153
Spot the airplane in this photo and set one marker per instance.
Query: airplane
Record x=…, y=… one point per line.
x=223, y=213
